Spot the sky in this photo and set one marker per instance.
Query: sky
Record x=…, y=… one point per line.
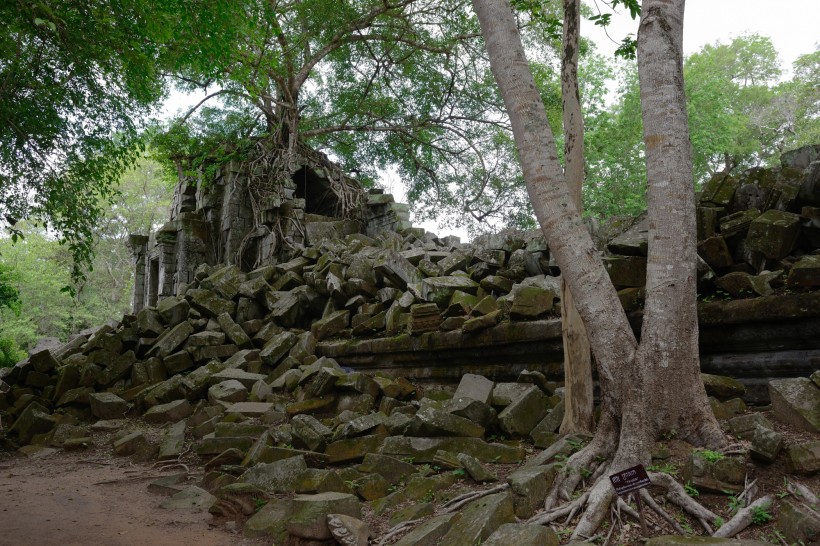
x=791, y=24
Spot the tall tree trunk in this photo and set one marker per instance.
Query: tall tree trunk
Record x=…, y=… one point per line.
x=668, y=355
x=578, y=401
x=655, y=388
x=609, y=332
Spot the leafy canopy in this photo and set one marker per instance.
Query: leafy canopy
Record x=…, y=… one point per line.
x=74, y=75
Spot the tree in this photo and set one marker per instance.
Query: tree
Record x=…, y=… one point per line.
x=578, y=401
x=73, y=77
x=665, y=362
x=727, y=87
x=374, y=83
x=38, y=267
x=793, y=115
x=141, y=205
x=10, y=353
x=616, y=177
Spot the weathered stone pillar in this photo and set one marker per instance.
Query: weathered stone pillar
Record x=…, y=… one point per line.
x=138, y=246
x=192, y=233
x=166, y=239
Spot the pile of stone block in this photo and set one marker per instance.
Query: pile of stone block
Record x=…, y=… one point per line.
x=228, y=368
x=757, y=232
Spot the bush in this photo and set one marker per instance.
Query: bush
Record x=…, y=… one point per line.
x=10, y=353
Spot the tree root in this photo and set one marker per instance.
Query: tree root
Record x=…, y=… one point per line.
x=743, y=518
x=802, y=493
x=569, y=509
x=650, y=501
x=677, y=495
x=399, y=529
x=455, y=503
x=567, y=481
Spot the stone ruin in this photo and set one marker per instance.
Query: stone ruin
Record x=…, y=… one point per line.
x=236, y=218
x=289, y=382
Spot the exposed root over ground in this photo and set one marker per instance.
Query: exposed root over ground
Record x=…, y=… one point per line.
x=582, y=496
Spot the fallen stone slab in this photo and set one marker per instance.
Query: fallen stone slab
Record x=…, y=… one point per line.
x=353, y=449
x=173, y=310
x=347, y=530
x=34, y=420
x=544, y=433
x=214, y=445
x=744, y=426
x=247, y=379
x=234, y=332
x=715, y=476
x=390, y=468
x=796, y=402
x=433, y=422
x=107, y=405
x=228, y=391
x=172, y=444
x=423, y=450
x=806, y=272
x=803, y=458
x=530, y=487
x=192, y=497
x=521, y=534
x=332, y=324
x=171, y=411
x=415, y=511
x=524, y=412
x=477, y=412
x=430, y=532
x=130, y=444
x=798, y=524
x=766, y=444
x=721, y=386
x=271, y=520
x=439, y=290
x=279, y=477
x=530, y=302
x=168, y=485
x=477, y=471
x=169, y=340
x=480, y=519
x=309, y=515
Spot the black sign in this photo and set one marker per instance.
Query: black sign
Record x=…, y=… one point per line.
x=630, y=480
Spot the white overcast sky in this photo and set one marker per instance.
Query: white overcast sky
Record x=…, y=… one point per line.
x=793, y=26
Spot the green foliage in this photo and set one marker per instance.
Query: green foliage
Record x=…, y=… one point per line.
x=735, y=504
x=691, y=490
x=10, y=353
x=616, y=172
x=38, y=267
x=666, y=468
x=728, y=87
x=709, y=455
x=761, y=515
x=9, y=295
x=75, y=77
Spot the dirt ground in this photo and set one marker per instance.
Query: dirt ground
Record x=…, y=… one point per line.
x=81, y=499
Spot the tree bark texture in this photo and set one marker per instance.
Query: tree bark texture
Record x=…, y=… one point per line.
x=578, y=397
x=668, y=355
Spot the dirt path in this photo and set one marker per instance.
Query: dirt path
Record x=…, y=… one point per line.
x=54, y=501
